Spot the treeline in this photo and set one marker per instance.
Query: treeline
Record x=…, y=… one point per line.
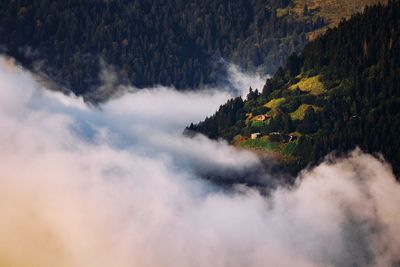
x=353, y=99
x=149, y=42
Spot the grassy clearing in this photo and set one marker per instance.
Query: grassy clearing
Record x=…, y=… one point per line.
x=313, y=85
x=281, y=12
x=258, y=123
x=299, y=113
x=260, y=144
x=274, y=103
x=283, y=151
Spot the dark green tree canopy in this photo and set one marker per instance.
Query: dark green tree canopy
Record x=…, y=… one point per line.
x=149, y=42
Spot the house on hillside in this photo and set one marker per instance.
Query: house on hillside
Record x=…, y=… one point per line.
x=255, y=136
x=263, y=117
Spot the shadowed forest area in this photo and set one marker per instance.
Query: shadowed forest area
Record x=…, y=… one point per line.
x=173, y=43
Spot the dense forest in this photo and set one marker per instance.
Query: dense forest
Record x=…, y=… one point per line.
x=341, y=92
x=178, y=43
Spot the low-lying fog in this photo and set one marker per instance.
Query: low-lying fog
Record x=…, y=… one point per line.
x=119, y=186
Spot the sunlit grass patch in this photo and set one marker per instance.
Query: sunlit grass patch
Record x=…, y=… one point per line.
x=299, y=113
x=281, y=12
x=313, y=85
x=274, y=103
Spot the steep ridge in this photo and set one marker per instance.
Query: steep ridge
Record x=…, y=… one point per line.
x=341, y=92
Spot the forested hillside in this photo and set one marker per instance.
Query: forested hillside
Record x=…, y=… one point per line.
x=149, y=42
x=342, y=91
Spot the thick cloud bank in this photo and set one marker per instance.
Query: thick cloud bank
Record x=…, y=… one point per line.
x=119, y=187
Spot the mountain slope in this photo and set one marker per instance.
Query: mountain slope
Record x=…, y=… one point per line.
x=343, y=91
x=151, y=42
x=175, y=43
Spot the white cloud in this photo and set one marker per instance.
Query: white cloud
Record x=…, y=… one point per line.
x=242, y=81
x=119, y=187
